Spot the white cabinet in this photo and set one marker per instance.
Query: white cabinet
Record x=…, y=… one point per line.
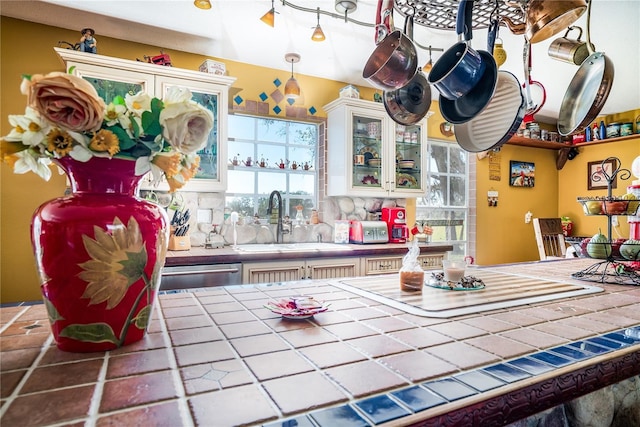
x=370, y=155
x=116, y=77
x=281, y=271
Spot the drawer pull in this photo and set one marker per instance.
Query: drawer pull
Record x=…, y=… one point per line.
x=183, y=273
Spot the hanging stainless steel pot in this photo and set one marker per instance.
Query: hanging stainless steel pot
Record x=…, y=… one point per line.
x=568, y=50
x=409, y=104
x=394, y=61
x=547, y=18
x=588, y=90
x=460, y=67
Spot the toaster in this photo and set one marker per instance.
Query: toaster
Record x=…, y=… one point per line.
x=368, y=232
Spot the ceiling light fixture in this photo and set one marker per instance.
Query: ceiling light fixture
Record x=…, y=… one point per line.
x=318, y=35
x=346, y=7
x=202, y=4
x=292, y=88
x=269, y=17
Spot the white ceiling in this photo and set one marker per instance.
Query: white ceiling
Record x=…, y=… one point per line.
x=232, y=30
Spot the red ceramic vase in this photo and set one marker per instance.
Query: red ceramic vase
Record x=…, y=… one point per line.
x=99, y=253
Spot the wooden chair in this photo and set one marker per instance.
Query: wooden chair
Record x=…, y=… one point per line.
x=550, y=238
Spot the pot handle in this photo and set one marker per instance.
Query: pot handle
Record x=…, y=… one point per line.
x=526, y=59
x=492, y=35
x=463, y=20
x=384, y=20
x=575, y=27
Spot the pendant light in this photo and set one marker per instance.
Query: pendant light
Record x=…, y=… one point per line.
x=292, y=88
x=202, y=4
x=318, y=35
x=269, y=17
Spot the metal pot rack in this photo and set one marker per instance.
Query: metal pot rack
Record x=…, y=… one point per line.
x=441, y=14
x=611, y=270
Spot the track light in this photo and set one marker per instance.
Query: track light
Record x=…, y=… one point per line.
x=269, y=17
x=202, y=4
x=346, y=7
x=318, y=35
x=292, y=88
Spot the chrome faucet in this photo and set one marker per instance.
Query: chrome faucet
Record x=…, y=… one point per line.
x=279, y=230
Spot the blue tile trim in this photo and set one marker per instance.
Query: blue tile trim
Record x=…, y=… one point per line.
x=417, y=398
x=21, y=304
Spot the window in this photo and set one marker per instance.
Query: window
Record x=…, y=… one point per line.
x=445, y=205
x=271, y=154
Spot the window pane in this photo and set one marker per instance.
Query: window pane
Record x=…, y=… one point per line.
x=457, y=163
x=241, y=127
x=458, y=193
x=304, y=184
x=270, y=181
x=272, y=130
x=302, y=156
x=303, y=133
x=438, y=161
x=272, y=154
x=242, y=205
x=240, y=182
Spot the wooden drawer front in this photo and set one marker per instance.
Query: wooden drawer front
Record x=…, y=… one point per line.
x=382, y=265
x=431, y=262
x=332, y=271
x=271, y=272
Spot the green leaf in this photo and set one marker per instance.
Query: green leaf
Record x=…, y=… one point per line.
x=52, y=311
x=133, y=266
x=151, y=119
x=118, y=100
x=142, y=319
x=92, y=332
x=71, y=69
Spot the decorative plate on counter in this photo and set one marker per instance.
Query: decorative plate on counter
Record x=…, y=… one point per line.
x=297, y=307
x=468, y=283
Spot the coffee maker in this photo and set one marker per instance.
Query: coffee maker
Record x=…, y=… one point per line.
x=396, y=220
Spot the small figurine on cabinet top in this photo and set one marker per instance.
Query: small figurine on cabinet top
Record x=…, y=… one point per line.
x=87, y=41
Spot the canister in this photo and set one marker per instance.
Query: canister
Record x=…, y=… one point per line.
x=613, y=130
x=626, y=129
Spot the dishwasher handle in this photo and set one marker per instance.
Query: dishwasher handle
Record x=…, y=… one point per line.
x=214, y=271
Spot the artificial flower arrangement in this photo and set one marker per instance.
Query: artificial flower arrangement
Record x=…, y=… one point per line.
x=65, y=116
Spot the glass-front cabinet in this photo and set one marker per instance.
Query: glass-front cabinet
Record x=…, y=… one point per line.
x=113, y=76
x=369, y=154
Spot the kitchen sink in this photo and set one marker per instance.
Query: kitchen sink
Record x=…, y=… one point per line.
x=291, y=247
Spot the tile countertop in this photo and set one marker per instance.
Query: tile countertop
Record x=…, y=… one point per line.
x=227, y=255
x=217, y=357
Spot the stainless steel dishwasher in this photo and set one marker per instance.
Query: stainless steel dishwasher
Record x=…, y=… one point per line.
x=200, y=276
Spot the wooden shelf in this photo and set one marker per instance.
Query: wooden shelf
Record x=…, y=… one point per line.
x=537, y=143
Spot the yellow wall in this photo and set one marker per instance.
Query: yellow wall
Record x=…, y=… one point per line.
x=502, y=233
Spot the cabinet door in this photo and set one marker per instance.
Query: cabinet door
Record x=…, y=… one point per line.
x=268, y=272
x=410, y=159
x=333, y=268
x=213, y=167
x=111, y=82
x=365, y=138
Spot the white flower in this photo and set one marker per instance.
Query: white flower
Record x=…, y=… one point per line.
x=30, y=161
x=138, y=103
x=30, y=129
x=186, y=124
x=114, y=114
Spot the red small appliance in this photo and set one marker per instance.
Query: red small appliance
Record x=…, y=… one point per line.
x=396, y=220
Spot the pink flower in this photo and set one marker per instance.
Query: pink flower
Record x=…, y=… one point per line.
x=65, y=100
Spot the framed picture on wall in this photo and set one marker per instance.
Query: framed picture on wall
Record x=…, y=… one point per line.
x=522, y=174
x=598, y=173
